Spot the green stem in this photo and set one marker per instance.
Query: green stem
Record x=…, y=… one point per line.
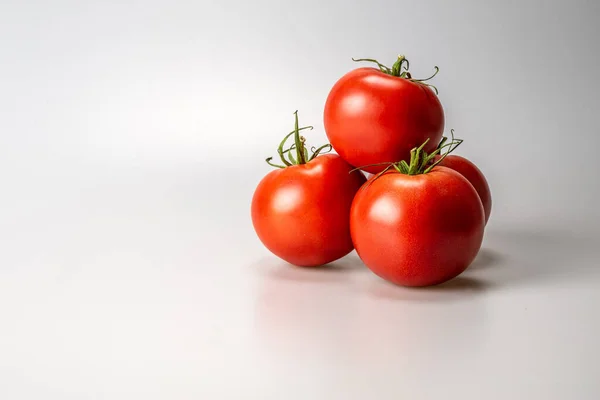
x=299, y=144
x=420, y=161
x=268, y=160
x=382, y=67
x=417, y=156
x=305, y=152
x=426, y=79
x=398, y=65
x=404, y=166
x=319, y=150
x=293, y=161
x=298, y=147
x=454, y=143
x=371, y=165
x=280, y=150
x=400, y=69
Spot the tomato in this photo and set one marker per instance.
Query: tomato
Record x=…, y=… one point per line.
x=378, y=115
x=301, y=211
x=416, y=228
x=474, y=175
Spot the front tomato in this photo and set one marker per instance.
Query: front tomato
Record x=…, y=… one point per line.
x=300, y=211
x=417, y=229
x=377, y=116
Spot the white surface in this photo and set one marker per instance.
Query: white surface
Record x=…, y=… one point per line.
x=132, y=135
x=122, y=288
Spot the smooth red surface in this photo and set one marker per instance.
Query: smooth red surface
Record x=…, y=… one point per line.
x=302, y=213
x=474, y=175
x=417, y=230
x=371, y=117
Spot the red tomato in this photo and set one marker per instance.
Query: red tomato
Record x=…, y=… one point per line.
x=474, y=175
x=301, y=211
x=372, y=116
x=417, y=230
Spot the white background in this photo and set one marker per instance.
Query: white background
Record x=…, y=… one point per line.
x=132, y=135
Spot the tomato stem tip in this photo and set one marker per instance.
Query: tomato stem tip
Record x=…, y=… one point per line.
x=420, y=161
x=400, y=69
x=298, y=148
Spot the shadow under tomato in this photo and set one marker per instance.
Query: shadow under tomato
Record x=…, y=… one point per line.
x=532, y=257
x=323, y=315
x=348, y=264
x=487, y=258
x=339, y=270
x=459, y=288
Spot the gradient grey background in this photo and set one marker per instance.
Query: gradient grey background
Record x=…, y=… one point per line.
x=132, y=135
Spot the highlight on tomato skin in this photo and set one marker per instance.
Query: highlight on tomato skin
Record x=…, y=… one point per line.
x=418, y=223
x=301, y=210
x=377, y=115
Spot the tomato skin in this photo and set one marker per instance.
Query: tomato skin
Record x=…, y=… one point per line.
x=371, y=117
x=474, y=175
x=301, y=213
x=417, y=230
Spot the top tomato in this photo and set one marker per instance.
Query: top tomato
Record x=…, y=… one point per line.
x=378, y=115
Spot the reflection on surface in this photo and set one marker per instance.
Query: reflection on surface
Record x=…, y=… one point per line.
x=349, y=320
x=349, y=315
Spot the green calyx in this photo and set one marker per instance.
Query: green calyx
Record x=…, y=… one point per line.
x=297, y=153
x=400, y=70
x=420, y=161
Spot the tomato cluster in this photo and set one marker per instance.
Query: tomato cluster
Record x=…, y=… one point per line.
x=417, y=221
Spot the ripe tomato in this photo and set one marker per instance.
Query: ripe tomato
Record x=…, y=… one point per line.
x=378, y=115
x=301, y=211
x=474, y=175
x=415, y=228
